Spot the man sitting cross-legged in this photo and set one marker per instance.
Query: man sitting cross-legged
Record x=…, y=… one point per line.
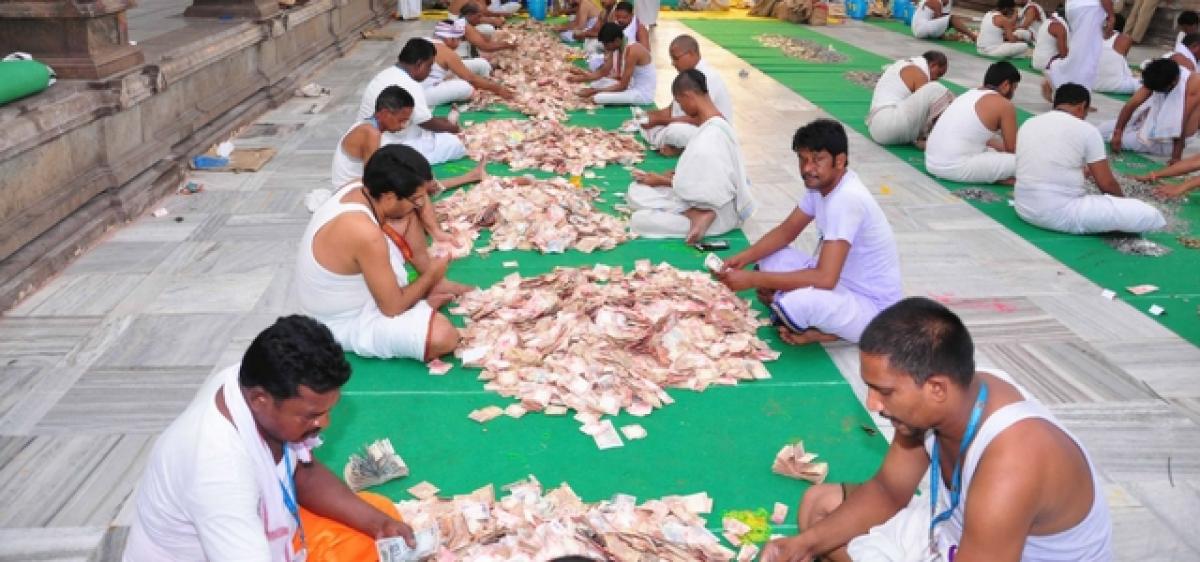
x=233, y=477
x=350, y=271
x=1006, y=480
x=963, y=145
x=1054, y=152
x=708, y=193
x=669, y=129
x=932, y=19
x=856, y=272
x=908, y=99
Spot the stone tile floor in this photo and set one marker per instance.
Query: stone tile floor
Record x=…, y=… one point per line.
x=98, y=361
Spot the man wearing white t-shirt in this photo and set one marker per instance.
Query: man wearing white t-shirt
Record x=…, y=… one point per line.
x=669, y=129
x=1054, y=150
x=856, y=272
x=436, y=138
x=233, y=476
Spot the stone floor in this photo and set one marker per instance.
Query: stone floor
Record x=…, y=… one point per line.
x=96, y=363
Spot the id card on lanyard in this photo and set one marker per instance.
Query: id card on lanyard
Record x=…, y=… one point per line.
x=291, y=500
x=935, y=478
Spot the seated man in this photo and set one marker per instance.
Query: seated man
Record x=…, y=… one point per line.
x=908, y=100
x=932, y=19
x=350, y=271
x=1114, y=75
x=479, y=34
x=1052, y=43
x=996, y=33
x=1054, y=152
x=627, y=76
x=1161, y=115
x=1007, y=481
x=1082, y=61
x=669, y=129
x=436, y=138
x=1030, y=18
x=708, y=193
x=856, y=272
x=491, y=18
x=591, y=15
x=963, y=147
x=233, y=477
x=635, y=32
x=393, y=108
x=452, y=78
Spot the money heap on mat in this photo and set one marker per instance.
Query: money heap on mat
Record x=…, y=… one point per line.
x=550, y=146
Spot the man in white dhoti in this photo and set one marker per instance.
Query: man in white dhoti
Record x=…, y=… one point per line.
x=997, y=488
x=647, y=11
x=591, y=15
x=1030, y=18
x=932, y=19
x=1054, y=152
x=408, y=9
x=708, y=193
x=627, y=77
x=452, y=78
x=436, y=138
x=1161, y=115
x=233, y=477
x=1087, y=18
x=350, y=270
x=996, y=33
x=1051, y=44
x=963, y=146
x=908, y=100
x=669, y=129
x=1114, y=75
x=1186, y=51
x=635, y=32
x=856, y=271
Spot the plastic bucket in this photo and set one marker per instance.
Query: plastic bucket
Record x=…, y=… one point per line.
x=856, y=9
x=903, y=10
x=537, y=9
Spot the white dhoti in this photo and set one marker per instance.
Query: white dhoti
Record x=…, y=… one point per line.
x=1026, y=35
x=1092, y=214
x=1155, y=124
x=1005, y=50
x=711, y=176
x=905, y=122
x=931, y=29
x=447, y=91
x=1085, y=44
x=840, y=312
x=646, y=11
x=903, y=538
x=478, y=66
x=486, y=30
x=408, y=9
x=623, y=97
x=989, y=167
x=1131, y=141
x=506, y=8
x=435, y=147
x=674, y=134
x=374, y=335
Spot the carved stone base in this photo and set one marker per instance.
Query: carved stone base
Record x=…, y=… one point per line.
x=253, y=9
x=85, y=40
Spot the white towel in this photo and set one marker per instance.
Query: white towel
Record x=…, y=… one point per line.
x=1163, y=119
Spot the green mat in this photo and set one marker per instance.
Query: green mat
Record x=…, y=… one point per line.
x=1022, y=63
x=721, y=441
x=1177, y=274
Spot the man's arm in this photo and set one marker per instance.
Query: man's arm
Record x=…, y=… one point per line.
x=1007, y=26
x=484, y=44
x=370, y=251
x=455, y=64
x=440, y=125
x=1183, y=61
x=774, y=240
x=1003, y=501
x=1059, y=32
x=1190, y=114
x=935, y=6
x=1031, y=17
x=913, y=77
x=871, y=504
x=324, y=494
x=1102, y=174
x=1139, y=97
x=1008, y=126
x=824, y=276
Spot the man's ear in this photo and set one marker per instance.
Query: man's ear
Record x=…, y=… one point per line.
x=839, y=161
x=937, y=388
x=257, y=398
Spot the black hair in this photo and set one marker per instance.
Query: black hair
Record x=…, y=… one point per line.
x=609, y=32
x=393, y=98
x=623, y=7
x=922, y=338
x=395, y=168
x=690, y=80
x=1160, y=75
x=1001, y=72
x=821, y=134
x=1118, y=23
x=573, y=558
x=468, y=9
x=1071, y=94
x=1002, y=5
x=1187, y=17
x=295, y=351
x=936, y=57
x=1190, y=39
x=416, y=51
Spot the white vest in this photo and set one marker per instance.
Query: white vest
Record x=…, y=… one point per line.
x=891, y=89
x=959, y=134
x=1046, y=47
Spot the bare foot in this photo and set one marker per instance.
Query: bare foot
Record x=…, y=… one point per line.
x=811, y=335
x=668, y=150
x=920, y=144
x=479, y=173
x=701, y=219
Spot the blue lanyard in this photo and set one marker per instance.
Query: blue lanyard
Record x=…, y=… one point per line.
x=289, y=495
x=935, y=480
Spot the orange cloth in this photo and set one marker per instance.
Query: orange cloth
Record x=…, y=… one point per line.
x=330, y=541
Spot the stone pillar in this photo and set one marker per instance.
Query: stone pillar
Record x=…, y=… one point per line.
x=85, y=39
x=254, y=9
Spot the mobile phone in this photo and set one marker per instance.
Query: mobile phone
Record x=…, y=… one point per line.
x=711, y=246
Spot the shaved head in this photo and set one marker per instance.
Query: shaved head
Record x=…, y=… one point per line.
x=689, y=81
x=685, y=44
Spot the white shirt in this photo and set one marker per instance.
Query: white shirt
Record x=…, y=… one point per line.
x=850, y=213
x=395, y=76
x=1052, y=151
x=198, y=498
x=717, y=91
